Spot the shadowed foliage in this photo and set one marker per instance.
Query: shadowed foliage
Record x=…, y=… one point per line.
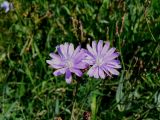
x=32, y=29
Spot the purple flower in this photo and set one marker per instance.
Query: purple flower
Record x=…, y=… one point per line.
x=68, y=61
x=6, y=6
x=102, y=59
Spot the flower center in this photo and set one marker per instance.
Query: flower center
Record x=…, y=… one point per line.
x=99, y=61
x=69, y=63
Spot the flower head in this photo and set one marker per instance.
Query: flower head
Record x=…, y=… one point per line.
x=68, y=61
x=102, y=59
x=6, y=6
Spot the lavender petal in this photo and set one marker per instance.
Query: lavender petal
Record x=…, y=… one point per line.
x=90, y=50
x=106, y=71
x=54, y=65
x=76, y=71
x=96, y=75
x=94, y=47
x=59, y=71
x=100, y=46
x=68, y=76
x=111, y=57
x=63, y=50
x=91, y=71
x=76, y=50
x=70, y=50
x=101, y=73
x=105, y=48
x=81, y=65
x=113, y=71
x=54, y=56
x=111, y=51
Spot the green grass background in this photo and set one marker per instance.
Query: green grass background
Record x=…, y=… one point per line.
x=29, y=32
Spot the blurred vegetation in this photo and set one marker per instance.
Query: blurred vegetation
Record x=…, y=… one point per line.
x=30, y=31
